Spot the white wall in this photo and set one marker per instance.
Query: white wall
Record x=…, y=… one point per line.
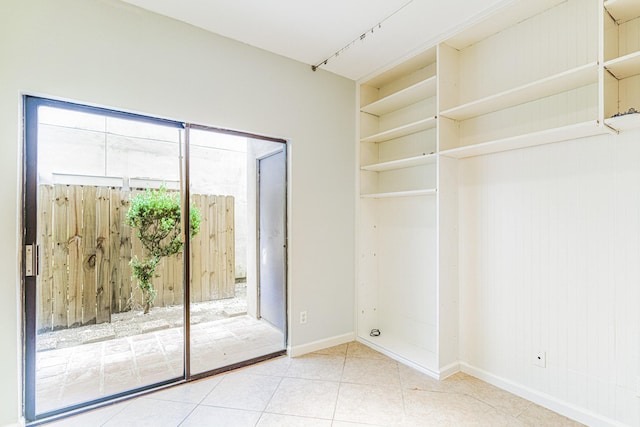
x=550, y=261
x=107, y=53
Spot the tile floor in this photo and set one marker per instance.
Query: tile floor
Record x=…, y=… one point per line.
x=85, y=372
x=345, y=386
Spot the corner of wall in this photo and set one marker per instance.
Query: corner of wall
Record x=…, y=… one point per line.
x=300, y=350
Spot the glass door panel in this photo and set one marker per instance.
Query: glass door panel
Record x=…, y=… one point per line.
x=97, y=172
x=226, y=328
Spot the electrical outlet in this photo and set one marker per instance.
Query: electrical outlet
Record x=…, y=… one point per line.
x=540, y=359
x=303, y=317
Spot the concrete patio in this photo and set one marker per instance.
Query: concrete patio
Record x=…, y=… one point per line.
x=83, y=372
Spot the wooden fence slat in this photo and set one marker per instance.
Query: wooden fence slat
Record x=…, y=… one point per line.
x=45, y=278
x=103, y=294
x=86, y=248
x=165, y=280
x=196, y=258
x=221, y=264
x=214, y=254
x=124, y=255
x=230, y=250
x=158, y=282
x=175, y=280
x=60, y=254
x=115, y=279
x=222, y=245
x=89, y=288
x=76, y=247
x=136, y=251
x=178, y=279
x=205, y=248
x=169, y=286
x=168, y=282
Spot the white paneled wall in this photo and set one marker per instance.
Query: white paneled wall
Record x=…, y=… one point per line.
x=574, y=106
x=407, y=226
x=550, y=262
x=551, y=42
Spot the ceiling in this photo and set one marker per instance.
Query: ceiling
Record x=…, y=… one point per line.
x=312, y=31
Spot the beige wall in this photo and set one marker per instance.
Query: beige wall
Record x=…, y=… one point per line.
x=111, y=54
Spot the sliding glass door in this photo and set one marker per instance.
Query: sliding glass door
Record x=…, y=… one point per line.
x=109, y=198
x=226, y=326
x=93, y=176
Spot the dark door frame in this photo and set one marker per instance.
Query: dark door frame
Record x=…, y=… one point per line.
x=29, y=237
x=28, y=226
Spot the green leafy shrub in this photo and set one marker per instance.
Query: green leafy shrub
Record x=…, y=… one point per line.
x=155, y=214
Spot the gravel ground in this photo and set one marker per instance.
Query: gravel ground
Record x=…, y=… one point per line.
x=134, y=322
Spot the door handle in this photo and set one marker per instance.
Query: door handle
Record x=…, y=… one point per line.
x=31, y=260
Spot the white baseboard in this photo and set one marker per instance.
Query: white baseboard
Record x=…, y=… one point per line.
x=577, y=413
x=449, y=370
x=300, y=350
x=442, y=374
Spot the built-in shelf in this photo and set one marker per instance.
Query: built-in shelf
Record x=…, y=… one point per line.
x=623, y=10
x=419, y=91
x=396, y=347
x=624, y=122
x=625, y=66
x=409, y=162
x=400, y=131
x=404, y=69
x=547, y=136
x=558, y=83
x=408, y=206
x=502, y=19
x=409, y=193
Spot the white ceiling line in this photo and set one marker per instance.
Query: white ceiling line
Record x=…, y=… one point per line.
x=359, y=38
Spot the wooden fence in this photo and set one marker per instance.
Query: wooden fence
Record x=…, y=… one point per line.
x=85, y=249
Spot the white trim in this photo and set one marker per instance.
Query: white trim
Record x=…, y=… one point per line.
x=404, y=361
x=569, y=410
x=92, y=180
x=153, y=183
x=300, y=350
x=447, y=371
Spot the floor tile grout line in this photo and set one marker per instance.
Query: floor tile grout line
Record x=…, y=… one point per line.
x=188, y=415
x=335, y=406
x=216, y=385
x=404, y=405
x=124, y=404
x=270, y=399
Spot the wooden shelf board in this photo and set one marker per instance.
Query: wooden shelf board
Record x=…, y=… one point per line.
x=623, y=10
x=424, y=159
x=624, y=122
x=408, y=193
x=625, y=66
x=547, y=136
x=408, y=129
x=406, y=67
x=542, y=88
x=419, y=91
